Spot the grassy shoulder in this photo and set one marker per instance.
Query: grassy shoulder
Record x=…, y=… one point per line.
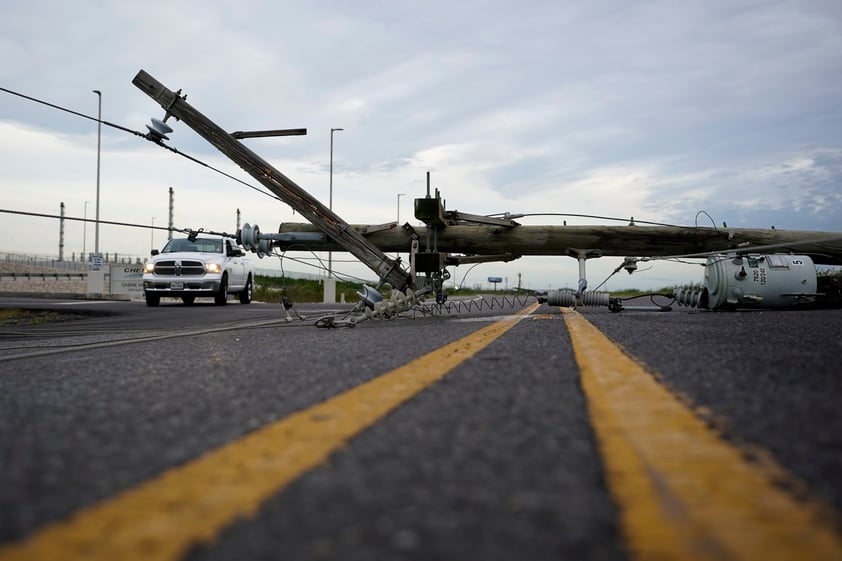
x=273, y=290
x=17, y=316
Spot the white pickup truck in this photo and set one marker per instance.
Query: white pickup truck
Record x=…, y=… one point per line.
x=200, y=267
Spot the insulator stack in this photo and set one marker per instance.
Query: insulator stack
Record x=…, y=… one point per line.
x=693, y=298
x=568, y=298
x=382, y=308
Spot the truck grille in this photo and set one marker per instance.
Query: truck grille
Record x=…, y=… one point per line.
x=178, y=268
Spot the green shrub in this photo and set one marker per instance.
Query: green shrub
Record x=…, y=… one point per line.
x=273, y=289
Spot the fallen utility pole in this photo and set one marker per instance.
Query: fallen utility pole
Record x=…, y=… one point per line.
x=622, y=241
x=488, y=236
x=175, y=105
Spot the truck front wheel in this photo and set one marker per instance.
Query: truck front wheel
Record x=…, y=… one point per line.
x=221, y=297
x=245, y=295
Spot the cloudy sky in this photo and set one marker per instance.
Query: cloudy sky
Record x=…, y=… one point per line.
x=657, y=110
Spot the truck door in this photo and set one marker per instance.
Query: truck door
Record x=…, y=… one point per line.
x=237, y=269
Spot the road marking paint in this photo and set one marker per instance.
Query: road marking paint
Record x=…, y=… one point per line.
x=684, y=493
x=163, y=518
x=485, y=319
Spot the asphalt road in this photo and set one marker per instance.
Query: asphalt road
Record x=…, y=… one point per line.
x=118, y=423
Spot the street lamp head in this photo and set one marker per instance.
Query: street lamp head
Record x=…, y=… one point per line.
x=333, y=130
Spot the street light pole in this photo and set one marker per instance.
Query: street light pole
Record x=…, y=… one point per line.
x=330, y=202
x=399, y=208
x=85, y=231
x=152, y=236
x=98, y=151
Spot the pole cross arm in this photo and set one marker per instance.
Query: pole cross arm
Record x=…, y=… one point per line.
x=471, y=259
x=287, y=190
x=262, y=134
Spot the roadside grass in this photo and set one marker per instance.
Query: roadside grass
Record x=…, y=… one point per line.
x=16, y=316
x=274, y=289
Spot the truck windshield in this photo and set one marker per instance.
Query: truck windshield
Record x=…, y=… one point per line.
x=203, y=245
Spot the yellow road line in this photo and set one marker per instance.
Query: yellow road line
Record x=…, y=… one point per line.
x=162, y=518
x=684, y=493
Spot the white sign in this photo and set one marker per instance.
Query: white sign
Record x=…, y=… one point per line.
x=127, y=279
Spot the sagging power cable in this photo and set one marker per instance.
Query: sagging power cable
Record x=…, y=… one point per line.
x=188, y=231
x=146, y=136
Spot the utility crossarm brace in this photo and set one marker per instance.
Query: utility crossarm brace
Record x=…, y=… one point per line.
x=263, y=134
x=365, y=230
x=319, y=215
x=479, y=219
x=470, y=259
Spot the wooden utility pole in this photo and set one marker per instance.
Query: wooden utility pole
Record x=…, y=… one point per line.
x=632, y=241
x=494, y=238
x=323, y=218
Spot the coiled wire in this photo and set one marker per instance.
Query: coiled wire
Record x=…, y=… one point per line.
x=452, y=307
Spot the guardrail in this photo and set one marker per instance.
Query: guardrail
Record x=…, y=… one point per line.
x=66, y=264
x=115, y=259
x=44, y=276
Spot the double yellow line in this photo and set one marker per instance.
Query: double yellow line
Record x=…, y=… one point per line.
x=163, y=518
x=683, y=493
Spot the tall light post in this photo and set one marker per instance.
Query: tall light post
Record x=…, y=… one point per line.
x=330, y=202
x=152, y=236
x=399, y=208
x=85, y=231
x=98, y=151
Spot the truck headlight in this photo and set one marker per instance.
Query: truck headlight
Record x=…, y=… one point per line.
x=213, y=268
x=149, y=267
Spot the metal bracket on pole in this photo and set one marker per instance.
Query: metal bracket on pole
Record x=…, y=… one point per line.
x=471, y=259
x=413, y=251
x=582, y=255
x=371, y=228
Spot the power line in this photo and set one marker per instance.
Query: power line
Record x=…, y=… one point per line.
x=142, y=135
x=66, y=110
x=272, y=195
x=597, y=217
x=109, y=222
